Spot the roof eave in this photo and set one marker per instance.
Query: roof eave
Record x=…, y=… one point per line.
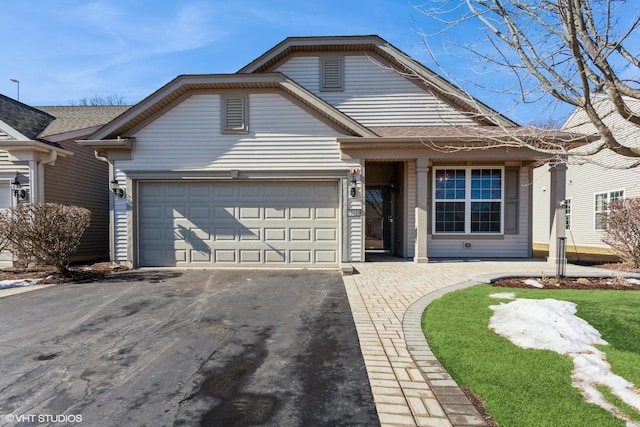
x=31, y=146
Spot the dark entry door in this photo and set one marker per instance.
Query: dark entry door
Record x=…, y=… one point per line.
x=379, y=220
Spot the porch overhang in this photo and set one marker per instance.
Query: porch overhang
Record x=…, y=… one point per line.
x=30, y=150
x=456, y=139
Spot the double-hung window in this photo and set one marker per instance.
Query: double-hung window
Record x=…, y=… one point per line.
x=567, y=214
x=601, y=202
x=468, y=200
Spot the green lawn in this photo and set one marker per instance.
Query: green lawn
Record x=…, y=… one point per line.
x=532, y=387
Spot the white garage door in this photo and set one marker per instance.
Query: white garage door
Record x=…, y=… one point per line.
x=238, y=223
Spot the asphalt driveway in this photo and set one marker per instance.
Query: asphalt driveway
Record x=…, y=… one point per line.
x=209, y=347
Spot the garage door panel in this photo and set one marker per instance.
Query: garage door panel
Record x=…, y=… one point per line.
x=275, y=213
x=225, y=234
x=326, y=213
x=228, y=256
x=300, y=234
x=250, y=234
x=275, y=234
x=200, y=256
x=205, y=223
x=200, y=212
x=276, y=257
x=326, y=257
x=326, y=235
x=176, y=191
x=151, y=212
x=222, y=213
x=304, y=257
x=200, y=190
x=249, y=213
x=300, y=213
x=250, y=256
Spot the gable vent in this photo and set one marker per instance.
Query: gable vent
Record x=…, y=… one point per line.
x=235, y=113
x=332, y=74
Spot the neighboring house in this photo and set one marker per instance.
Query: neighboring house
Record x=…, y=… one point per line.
x=37, y=146
x=589, y=186
x=312, y=154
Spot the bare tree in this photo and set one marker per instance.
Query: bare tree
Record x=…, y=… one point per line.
x=622, y=229
x=578, y=51
x=99, y=101
x=44, y=233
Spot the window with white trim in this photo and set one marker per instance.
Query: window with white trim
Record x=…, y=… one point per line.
x=331, y=73
x=601, y=202
x=234, y=114
x=567, y=214
x=468, y=200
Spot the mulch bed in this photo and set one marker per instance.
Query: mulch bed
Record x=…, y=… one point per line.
x=49, y=275
x=586, y=283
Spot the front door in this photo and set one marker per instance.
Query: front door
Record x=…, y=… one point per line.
x=379, y=220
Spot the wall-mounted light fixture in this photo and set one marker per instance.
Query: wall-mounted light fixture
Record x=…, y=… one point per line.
x=18, y=191
x=115, y=187
x=353, y=185
x=393, y=186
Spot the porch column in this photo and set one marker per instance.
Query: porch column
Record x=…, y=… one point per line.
x=557, y=195
x=422, y=183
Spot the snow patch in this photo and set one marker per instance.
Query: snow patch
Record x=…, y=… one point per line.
x=7, y=284
x=633, y=281
x=550, y=324
x=534, y=283
x=503, y=295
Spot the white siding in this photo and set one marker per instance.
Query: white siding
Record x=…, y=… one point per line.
x=586, y=180
x=583, y=182
x=512, y=246
x=375, y=95
x=9, y=168
x=121, y=207
x=281, y=136
x=410, y=209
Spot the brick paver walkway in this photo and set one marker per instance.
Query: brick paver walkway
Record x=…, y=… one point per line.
x=409, y=386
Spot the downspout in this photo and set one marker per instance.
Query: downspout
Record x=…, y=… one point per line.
x=53, y=156
x=112, y=248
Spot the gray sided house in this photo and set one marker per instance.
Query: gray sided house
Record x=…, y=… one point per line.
x=590, y=186
x=318, y=151
x=37, y=146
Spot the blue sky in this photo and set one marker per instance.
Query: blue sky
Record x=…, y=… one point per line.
x=65, y=50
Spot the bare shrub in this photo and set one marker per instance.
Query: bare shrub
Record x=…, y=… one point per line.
x=622, y=229
x=46, y=234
